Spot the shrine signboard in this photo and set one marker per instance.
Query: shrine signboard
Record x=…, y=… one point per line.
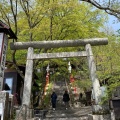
x=5, y=34
x=3, y=49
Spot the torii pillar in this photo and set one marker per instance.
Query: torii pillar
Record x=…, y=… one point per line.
x=28, y=78
x=95, y=82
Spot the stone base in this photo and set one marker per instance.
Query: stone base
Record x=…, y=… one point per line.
x=99, y=117
x=22, y=114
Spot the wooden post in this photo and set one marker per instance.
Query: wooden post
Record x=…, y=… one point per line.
x=28, y=78
x=93, y=76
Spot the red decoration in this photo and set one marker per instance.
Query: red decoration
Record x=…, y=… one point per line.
x=72, y=78
x=75, y=89
x=47, y=78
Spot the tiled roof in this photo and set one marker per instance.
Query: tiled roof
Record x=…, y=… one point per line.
x=6, y=29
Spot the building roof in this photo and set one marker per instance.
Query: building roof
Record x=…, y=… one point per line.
x=6, y=29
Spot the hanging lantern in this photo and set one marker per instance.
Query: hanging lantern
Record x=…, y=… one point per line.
x=72, y=79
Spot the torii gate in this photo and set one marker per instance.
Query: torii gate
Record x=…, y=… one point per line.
x=87, y=43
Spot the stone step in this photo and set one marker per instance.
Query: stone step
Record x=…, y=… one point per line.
x=68, y=118
x=36, y=118
x=62, y=118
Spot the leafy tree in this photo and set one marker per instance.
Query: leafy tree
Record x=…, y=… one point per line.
x=108, y=66
x=50, y=20
x=71, y=22
x=8, y=13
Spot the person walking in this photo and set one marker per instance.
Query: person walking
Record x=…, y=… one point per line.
x=53, y=100
x=66, y=99
x=80, y=97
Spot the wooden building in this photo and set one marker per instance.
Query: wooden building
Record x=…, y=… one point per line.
x=13, y=83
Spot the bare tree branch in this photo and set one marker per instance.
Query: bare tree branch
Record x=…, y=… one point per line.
x=108, y=7
x=14, y=12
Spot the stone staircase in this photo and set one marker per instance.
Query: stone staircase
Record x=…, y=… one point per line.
x=69, y=114
x=72, y=113
x=79, y=113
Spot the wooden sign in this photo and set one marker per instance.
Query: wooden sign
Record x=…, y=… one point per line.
x=3, y=49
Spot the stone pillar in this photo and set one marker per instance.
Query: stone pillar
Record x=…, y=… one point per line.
x=11, y=114
x=28, y=78
x=93, y=76
x=4, y=101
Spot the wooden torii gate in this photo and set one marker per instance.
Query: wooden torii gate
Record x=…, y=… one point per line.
x=87, y=43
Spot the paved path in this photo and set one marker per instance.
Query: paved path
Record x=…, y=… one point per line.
x=60, y=113
x=69, y=114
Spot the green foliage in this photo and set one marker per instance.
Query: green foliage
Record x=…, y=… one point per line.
x=108, y=65
x=57, y=20
x=47, y=99
x=84, y=84
x=52, y=20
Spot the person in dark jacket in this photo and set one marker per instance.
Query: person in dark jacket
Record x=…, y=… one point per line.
x=66, y=99
x=53, y=100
